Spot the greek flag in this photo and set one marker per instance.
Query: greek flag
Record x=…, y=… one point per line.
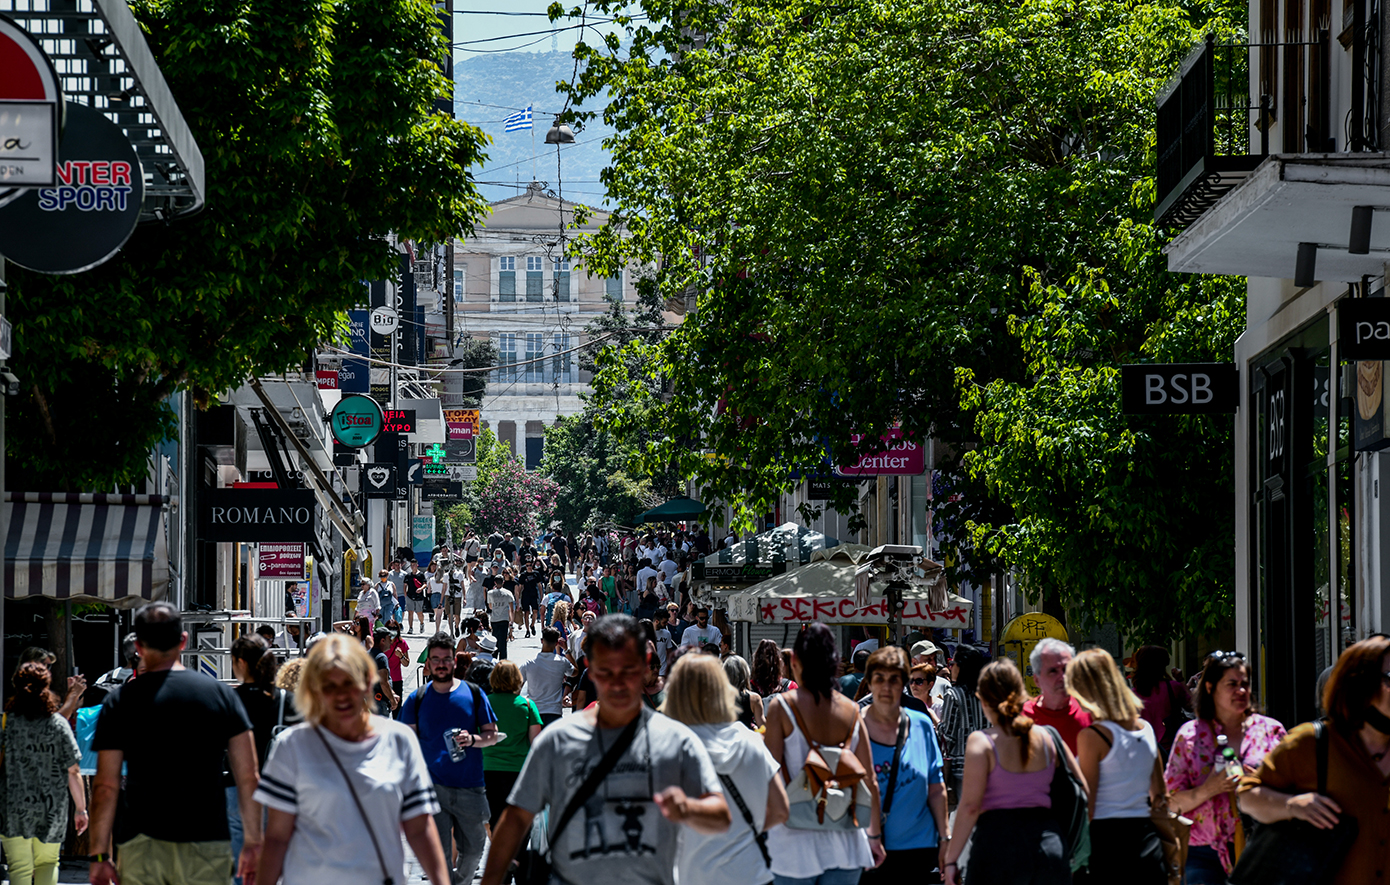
x=518, y=121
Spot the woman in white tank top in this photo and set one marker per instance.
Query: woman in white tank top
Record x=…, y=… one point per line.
x=1119, y=757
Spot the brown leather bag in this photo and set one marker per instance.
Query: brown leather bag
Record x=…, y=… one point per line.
x=828, y=785
x=1173, y=830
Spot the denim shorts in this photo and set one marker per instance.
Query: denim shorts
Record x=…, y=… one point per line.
x=434, y=600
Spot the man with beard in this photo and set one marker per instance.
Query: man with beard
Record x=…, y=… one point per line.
x=442, y=705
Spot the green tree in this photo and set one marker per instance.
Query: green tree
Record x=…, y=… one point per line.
x=505, y=497
x=875, y=203
x=589, y=468
x=317, y=127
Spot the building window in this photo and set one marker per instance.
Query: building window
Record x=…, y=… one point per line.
x=460, y=271
x=535, y=450
x=562, y=279
x=506, y=279
x=535, y=279
x=535, y=357
x=562, y=364
x=506, y=357
x=613, y=287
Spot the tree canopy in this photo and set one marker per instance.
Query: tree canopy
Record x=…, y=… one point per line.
x=317, y=127
x=925, y=212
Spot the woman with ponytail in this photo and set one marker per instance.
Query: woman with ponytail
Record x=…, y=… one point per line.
x=271, y=710
x=1006, y=793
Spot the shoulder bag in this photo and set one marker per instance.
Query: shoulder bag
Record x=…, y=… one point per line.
x=386, y=877
x=825, y=794
x=759, y=836
x=1069, y=804
x=1295, y=851
x=535, y=868
x=904, y=726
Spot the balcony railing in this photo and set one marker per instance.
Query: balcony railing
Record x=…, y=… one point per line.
x=1230, y=105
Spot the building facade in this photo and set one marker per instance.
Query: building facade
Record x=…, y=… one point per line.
x=1265, y=152
x=514, y=286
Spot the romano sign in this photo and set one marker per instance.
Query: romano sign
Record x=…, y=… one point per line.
x=257, y=515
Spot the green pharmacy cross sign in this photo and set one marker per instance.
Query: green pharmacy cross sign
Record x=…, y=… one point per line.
x=434, y=461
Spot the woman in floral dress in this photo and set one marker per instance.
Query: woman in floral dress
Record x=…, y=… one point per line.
x=1199, y=786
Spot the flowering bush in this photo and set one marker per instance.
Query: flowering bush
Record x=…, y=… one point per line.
x=508, y=499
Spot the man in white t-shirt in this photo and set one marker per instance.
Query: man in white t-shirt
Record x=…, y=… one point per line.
x=501, y=601
x=703, y=632
x=645, y=572
x=664, y=643
x=545, y=677
x=668, y=570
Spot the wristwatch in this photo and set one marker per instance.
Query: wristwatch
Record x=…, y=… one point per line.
x=98, y=858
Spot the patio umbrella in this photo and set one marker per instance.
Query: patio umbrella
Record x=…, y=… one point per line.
x=678, y=509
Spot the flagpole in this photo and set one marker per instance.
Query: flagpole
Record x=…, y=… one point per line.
x=531, y=106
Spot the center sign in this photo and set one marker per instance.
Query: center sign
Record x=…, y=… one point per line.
x=356, y=421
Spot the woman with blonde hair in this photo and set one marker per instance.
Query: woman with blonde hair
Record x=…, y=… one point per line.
x=343, y=784
x=699, y=695
x=1119, y=756
x=1006, y=795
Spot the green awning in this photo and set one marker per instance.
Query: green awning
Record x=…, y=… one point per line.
x=678, y=509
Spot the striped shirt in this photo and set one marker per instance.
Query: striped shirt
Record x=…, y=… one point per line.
x=961, y=714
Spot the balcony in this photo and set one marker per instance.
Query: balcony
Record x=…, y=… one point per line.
x=1248, y=161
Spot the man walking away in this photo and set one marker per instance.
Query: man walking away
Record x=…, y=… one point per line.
x=1054, y=705
x=442, y=705
x=501, y=602
x=171, y=723
x=636, y=775
x=545, y=677
x=849, y=683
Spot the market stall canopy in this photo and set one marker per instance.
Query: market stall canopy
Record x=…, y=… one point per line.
x=760, y=556
x=824, y=591
x=86, y=547
x=678, y=509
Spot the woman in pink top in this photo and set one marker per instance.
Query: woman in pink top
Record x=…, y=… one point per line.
x=1200, y=789
x=1006, y=793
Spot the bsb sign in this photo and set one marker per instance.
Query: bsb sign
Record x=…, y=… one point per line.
x=257, y=515
x=1179, y=388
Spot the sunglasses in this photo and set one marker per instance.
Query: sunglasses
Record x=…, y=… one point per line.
x=1226, y=656
x=918, y=681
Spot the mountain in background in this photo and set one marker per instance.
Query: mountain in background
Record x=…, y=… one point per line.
x=489, y=87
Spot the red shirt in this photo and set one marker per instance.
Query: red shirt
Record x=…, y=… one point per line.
x=1068, y=722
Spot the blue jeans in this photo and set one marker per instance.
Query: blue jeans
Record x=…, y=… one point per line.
x=1204, y=866
x=829, y=877
x=234, y=826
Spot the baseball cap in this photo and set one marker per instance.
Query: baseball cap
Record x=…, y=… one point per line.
x=925, y=647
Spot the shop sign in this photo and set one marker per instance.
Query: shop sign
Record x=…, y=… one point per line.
x=901, y=457
x=748, y=571
x=29, y=105
x=354, y=376
x=1363, y=328
x=90, y=212
x=823, y=488
x=356, y=421
x=327, y=380
x=282, y=560
x=379, y=480
x=843, y=610
x=422, y=538
x=1179, y=388
x=257, y=515
x=358, y=341
x=462, y=423
x=436, y=489
x=398, y=420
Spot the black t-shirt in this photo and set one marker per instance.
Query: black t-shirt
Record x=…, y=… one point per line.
x=509, y=549
x=173, y=727
x=527, y=552
x=559, y=545
x=264, y=711
x=530, y=585
x=383, y=706
x=494, y=541
x=413, y=582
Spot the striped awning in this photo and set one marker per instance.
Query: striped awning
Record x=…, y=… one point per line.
x=86, y=547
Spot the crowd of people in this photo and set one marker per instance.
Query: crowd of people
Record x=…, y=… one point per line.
x=639, y=748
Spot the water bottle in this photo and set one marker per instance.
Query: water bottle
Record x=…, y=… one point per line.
x=1228, y=757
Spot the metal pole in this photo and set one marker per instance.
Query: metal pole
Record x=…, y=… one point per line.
x=4, y=511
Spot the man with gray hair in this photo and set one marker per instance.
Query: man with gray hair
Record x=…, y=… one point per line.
x=1053, y=706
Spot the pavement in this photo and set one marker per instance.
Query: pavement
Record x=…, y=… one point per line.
x=519, y=651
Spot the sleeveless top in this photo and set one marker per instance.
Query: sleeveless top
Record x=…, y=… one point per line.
x=1125, y=772
x=1012, y=789
x=805, y=854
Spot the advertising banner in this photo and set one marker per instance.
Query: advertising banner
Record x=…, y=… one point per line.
x=282, y=560
x=257, y=515
x=901, y=457
x=802, y=610
x=422, y=538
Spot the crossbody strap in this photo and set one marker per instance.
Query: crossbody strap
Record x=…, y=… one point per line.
x=380, y=858
x=596, y=776
x=759, y=836
x=280, y=720
x=1321, y=737
x=903, y=727
x=801, y=724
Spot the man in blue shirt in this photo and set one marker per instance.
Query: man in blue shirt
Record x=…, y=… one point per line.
x=441, y=705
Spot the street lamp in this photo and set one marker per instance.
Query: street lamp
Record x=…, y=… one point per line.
x=560, y=133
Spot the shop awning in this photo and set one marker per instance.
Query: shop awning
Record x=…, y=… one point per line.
x=86, y=547
x=679, y=509
x=824, y=591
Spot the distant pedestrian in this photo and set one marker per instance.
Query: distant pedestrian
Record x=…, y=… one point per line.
x=341, y=786
x=501, y=602
x=1165, y=699
x=1006, y=802
x=40, y=773
x=769, y=676
x=545, y=677
x=454, y=720
x=520, y=721
x=1054, y=706
x=749, y=703
x=1119, y=757
x=961, y=714
x=137, y=727
x=699, y=695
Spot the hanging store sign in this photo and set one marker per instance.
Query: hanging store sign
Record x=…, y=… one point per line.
x=356, y=421
x=901, y=457
x=30, y=104
x=90, y=212
x=257, y=515
x=398, y=420
x=379, y=480
x=463, y=423
x=1363, y=328
x=281, y=560
x=1179, y=388
x=327, y=380
x=436, y=489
